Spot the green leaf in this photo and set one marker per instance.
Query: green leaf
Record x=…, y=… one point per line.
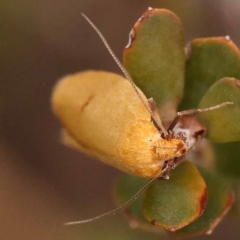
x=220, y=199
x=126, y=187
x=210, y=59
x=222, y=124
x=155, y=58
x=175, y=203
x=228, y=159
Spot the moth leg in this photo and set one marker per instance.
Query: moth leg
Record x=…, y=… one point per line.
x=171, y=164
x=166, y=168
x=165, y=175
x=168, y=165
x=153, y=106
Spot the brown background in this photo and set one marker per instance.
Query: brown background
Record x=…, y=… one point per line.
x=42, y=183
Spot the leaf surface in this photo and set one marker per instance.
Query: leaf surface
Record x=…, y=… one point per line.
x=220, y=199
x=222, y=124
x=155, y=59
x=175, y=203
x=209, y=59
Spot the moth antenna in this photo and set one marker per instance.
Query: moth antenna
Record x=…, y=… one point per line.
x=132, y=199
x=200, y=110
x=125, y=72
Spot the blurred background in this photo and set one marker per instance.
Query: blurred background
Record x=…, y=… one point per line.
x=43, y=183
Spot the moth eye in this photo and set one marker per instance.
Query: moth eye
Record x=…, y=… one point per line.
x=183, y=151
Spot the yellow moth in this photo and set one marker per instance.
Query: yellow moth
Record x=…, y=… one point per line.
x=105, y=115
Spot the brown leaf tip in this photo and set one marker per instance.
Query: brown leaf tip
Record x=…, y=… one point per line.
x=203, y=201
x=225, y=210
x=153, y=222
x=146, y=14
x=132, y=36
x=229, y=202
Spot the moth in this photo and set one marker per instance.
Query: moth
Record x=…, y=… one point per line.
x=110, y=118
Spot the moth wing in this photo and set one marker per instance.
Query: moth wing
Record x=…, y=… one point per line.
x=104, y=117
x=71, y=142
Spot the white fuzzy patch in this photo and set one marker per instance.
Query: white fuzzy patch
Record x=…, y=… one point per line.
x=191, y=140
